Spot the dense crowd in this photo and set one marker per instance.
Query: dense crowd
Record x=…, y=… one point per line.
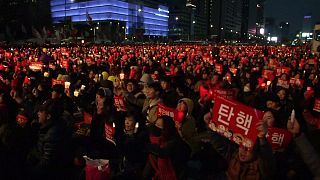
x=62, y=108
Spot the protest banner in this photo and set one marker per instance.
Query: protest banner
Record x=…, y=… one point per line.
x=235, y=121
x=55, y=81
x=176, y=115
x=278, y=138
x=119, y=103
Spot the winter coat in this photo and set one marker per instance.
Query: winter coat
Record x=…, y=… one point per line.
x=150, y=110
x=170, y=98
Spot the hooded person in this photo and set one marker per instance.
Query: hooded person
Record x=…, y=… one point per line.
x=188, y=128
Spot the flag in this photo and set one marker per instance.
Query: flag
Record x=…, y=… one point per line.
x=89, y=18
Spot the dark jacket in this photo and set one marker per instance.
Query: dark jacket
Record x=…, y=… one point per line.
x=170, y=98
x=264, y=161
x=53, y=151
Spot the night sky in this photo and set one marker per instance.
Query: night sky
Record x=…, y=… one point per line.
x=293, y=11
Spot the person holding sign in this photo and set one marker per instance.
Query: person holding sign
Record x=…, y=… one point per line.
x=306, y=150
x=243, y=163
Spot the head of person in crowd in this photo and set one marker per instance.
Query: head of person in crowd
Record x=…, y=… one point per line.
x=103, y=99
x=57, y=91
x=145, y=80
x=186, y=106
x=131, y=123
x=216, y=78
x=282, y=94
x=131, y=85
x=165, y=83
x=50, y=111
x=22, y=118
x=272, y=102
x=268, y=118
x=153, y=90
x=165, y=128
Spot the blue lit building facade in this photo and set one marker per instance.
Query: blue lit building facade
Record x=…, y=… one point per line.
x=154, y=22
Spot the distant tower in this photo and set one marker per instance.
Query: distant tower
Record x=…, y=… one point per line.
x=307, y=23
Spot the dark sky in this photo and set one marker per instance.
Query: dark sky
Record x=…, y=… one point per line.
x=293, y=11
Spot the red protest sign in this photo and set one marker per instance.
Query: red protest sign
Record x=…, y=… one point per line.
x=224, y=93
x=176, y=115
x=235, y=121
x=316, y=106
x=278, y=138
x=36, y=66
x=298, y=82
x=54, y=82
x=233, y=70
x=109, y=132
x=268, y=74
x=218, y=68
x=282, y=83
x=119, y=103
x=281, y=70
x=65, y=64
x=87, y=118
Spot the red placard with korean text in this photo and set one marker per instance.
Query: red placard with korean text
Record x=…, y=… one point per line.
x=278, y=138
x=119, y=103
x=218, y=68
x=282, y=70
x=176, y=115
x=109, y=132
x=268, y=74
x=316, y=106
x=36, y=66
x=235, y=121
x=282, y=83
x=224, y=93
x=65, y=64
x=54, y=82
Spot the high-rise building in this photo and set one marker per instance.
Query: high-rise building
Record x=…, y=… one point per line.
x=270, y=26
x=284, y=30
x=134, y=17
x=225, y=17
x=17, y=17
x=307, y=23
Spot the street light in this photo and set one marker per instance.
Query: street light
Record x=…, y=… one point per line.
x=193, y=22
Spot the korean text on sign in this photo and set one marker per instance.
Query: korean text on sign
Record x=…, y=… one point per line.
x=235, y=121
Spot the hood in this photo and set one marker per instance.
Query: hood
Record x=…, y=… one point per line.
x=147, y=79
x=189, y=103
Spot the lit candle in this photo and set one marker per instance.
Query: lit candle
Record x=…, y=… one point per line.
x=268, y=83
x=83, y=87
x=121, y=76
x=113, y=125
x=67, y=85
x=136, y=127
x=76, y=93
x=46, y=74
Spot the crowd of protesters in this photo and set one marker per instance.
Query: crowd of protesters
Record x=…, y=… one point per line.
x=43, y=134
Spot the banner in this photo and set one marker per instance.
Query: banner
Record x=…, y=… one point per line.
x=218, y=68
x=109, y=132
x=282, y=70
x=176, y=115
x=54, y=82
x=282, y=83
x=268, y=74
x=316, y=106
x=36, y=66
x=65, y=64
x=224, y=93
x=235, y=121
x=278, y=138
x=119, y=103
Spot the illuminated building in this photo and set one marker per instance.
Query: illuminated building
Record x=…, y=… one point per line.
x=152, y=20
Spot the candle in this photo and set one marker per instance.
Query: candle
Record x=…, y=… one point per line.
x=76, y=93
x=67, y=85
x=293, y=114
x=83, y=87
x=268, y=83
x=136, y=127
x=122, y=76
x=113, y=125
x=46, y=74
